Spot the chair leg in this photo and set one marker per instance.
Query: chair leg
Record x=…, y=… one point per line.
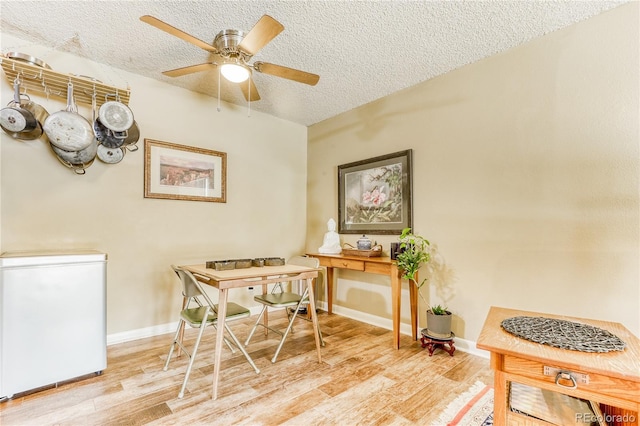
x=226, y=342
x=319, y=331
x=265, y=322
x=237, y=343
x=203, y=325
x=307, y=304
x=286, y=332
x=175, y=342
x=320, y=335
x=290, y=327
x=229, y=345
x=253, y=330
x=289, y=312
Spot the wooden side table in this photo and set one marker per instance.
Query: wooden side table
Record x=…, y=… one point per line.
x=611, y=379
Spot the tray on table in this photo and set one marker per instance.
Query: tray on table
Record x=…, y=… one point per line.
x=350, y=250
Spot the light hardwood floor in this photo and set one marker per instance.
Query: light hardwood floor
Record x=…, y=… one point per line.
x=361, y=381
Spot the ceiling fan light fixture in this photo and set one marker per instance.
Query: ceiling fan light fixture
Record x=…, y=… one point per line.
x=234, y=72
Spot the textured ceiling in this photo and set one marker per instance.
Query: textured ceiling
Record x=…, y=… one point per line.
x=362, y=50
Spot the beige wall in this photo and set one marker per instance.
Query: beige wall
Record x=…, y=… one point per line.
x=526, y=176
x=46, y=206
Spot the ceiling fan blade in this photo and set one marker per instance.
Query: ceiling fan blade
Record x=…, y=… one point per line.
x=178, y=33
x=190, y=69
x=260, y=35
x=288, y=73
x=244, y=86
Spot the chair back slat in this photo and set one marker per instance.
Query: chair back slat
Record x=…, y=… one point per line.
x=191, y=287
x=310, y=262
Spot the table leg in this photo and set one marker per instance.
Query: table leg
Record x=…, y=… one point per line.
x=329, y=290
x=396, y=286
x=315, y=280
x=222, y=314
x=413, y=298
x=499, y=391
x=265, y=317
x=314, y=316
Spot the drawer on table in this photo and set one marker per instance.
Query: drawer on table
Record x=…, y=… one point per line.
x=378, y=268
x=357, y=265
x=593, y=382
x=515, y=419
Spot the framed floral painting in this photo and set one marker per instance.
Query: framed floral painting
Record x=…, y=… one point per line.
x=374, y=195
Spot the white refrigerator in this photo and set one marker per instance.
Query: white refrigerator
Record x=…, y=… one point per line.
x=52, y=318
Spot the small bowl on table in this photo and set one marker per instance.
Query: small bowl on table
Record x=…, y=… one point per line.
x=224, y=265
x=243, y=263
x=273, y=261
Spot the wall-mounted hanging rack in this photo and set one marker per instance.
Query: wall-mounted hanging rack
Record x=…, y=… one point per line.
x=54, y=84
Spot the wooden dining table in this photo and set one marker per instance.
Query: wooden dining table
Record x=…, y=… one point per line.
x=249, y=277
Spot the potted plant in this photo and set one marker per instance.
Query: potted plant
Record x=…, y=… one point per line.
x=439, y=322
x=414, y=253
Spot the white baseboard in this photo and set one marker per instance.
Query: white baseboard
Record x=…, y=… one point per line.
x=141, y=333
x=464, y=345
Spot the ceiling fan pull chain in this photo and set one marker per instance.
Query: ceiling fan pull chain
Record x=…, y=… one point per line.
x=249, y=100
x=219, y=76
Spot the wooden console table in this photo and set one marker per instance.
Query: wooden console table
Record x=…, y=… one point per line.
x=374, y=265
x=612, y=379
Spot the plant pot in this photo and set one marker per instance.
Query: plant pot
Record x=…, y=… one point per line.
x=439, y=326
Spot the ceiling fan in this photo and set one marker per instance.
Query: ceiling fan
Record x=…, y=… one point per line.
x=235, y=48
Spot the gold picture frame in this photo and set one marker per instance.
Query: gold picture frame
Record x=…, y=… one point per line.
x=180, y=172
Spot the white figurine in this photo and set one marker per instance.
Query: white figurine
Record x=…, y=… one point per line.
x=331, y=241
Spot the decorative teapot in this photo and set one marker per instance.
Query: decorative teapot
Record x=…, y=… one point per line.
x=364, y=243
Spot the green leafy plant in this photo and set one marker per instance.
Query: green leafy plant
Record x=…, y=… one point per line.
x=414, y=252
x=439, y=310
